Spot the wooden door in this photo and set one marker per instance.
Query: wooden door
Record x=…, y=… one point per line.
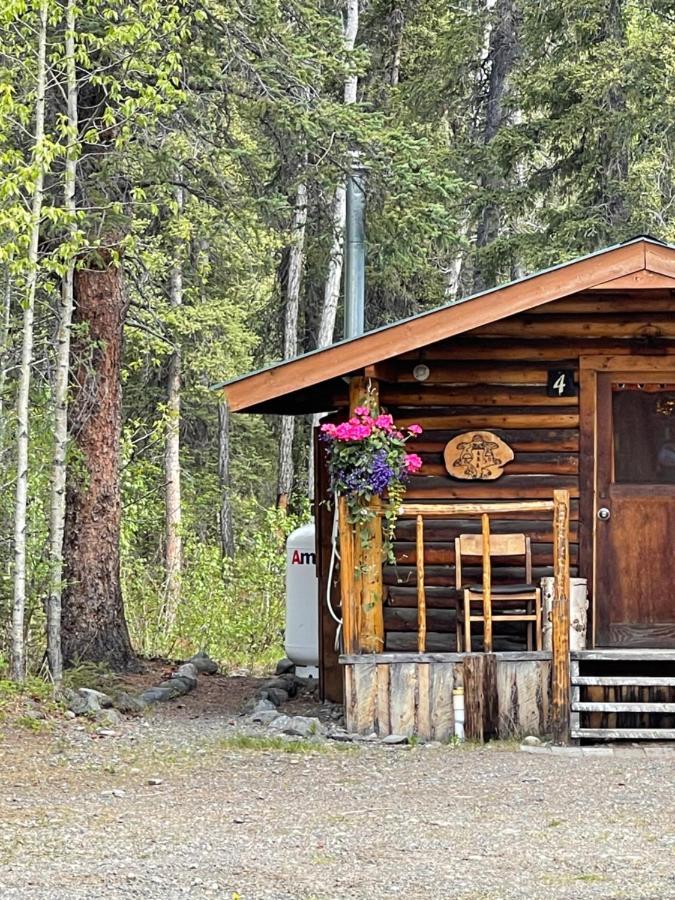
x=635, y=510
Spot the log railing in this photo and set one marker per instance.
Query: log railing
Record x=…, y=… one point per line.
x=358, y=617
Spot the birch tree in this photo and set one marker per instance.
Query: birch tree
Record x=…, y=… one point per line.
x=18, y=661
x=331, y=293
x=173, y=553
x=58, y=479
x=296, y=258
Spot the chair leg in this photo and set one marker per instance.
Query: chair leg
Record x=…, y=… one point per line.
x=537, y=609
x=529, y=631
x=467, y=623
x=458, y=630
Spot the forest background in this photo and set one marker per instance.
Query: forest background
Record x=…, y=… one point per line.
x=171, y=211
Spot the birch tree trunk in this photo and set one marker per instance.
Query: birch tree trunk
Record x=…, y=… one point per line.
x=331, y=292
x=295, y=266
x=93, y=623
x=58, y=481
x=4, y=345
x=226, y=527
x=18, y=661
x=173, y=548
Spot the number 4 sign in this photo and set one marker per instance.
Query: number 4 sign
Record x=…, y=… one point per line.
x=561, y=383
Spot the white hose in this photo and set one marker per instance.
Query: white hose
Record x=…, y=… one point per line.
x=334, y=554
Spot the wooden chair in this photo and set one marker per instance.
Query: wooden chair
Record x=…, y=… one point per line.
x=526, y=596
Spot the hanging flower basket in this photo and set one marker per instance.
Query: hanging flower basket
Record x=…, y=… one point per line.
x=368, y=459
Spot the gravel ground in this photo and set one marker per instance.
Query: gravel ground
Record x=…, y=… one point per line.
x=370, y=822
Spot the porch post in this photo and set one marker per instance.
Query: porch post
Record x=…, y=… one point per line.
x=560, y=620
x=361, y=555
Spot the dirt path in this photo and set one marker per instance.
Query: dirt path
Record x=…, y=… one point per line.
x=374, y=822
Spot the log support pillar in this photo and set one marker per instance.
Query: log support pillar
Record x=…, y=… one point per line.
x=361, y=555
x=560, y=620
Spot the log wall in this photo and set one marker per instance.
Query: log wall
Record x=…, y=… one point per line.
x=494, y=378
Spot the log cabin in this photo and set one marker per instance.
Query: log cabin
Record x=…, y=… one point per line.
x=570, y=373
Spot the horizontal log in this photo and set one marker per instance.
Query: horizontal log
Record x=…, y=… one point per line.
x=625, y=680
x=452, y=395
x=610, y=707
x=523, y=464
x=495, y=419
x=534, y=440
x=495, y=372
x=392, y=659
x=437, y=642
x=524, y=350
x=625, y=734
x=607, y=305
x=445, y=575
x=444, y=554
x=508, y=487
x=628, y=654
x=581, y=326
x=443, y=531
x=405, y=619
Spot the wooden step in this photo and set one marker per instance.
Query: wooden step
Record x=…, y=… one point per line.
x=625, y=734
x=626, y=680
x=628, y=706
x=628, y=655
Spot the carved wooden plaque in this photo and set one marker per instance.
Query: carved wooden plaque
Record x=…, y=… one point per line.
x=477, y=456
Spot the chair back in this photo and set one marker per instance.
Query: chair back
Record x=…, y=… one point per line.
x=500, y=545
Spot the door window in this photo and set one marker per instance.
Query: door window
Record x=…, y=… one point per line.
x=644, y=433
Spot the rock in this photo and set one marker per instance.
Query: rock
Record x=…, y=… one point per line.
x=264, y=716
x=531, y=741
x=283, y=683
x=157, y=694
x=78, y=704
x=69, y=714
x=277, y=696
x=127, y=703
x=395, y=739
x=187, y=673
x=284, y=666
x=96, y=697
x=339, y=734
x=108, y=717
x=302, y=726
x=264, y=705
x=203, y=663
x=153, y=782
x=115, y=792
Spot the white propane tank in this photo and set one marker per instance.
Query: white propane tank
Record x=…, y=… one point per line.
x=302, y=601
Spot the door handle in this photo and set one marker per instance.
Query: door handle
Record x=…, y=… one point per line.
x=604, y=513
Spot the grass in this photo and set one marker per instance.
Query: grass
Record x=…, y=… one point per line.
x=280, y=745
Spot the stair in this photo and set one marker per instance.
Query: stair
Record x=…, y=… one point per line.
x=639, y=694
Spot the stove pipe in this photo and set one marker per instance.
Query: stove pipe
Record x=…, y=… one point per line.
x=355, y=251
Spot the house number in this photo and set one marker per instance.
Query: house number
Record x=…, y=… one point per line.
x=560, y=383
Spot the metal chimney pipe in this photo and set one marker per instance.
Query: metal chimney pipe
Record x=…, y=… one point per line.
x=355, y=251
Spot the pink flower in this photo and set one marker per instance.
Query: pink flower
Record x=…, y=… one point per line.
x=361, y=411
x=352, y=430
x=328, y=429
x=413, y=463
x=385, y=422
x=415, y=429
